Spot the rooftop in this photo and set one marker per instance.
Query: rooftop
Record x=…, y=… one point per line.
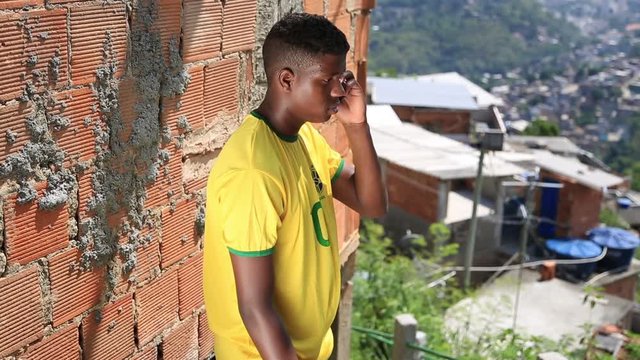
x=420, y=150
x=483, y=98
x=572, y=168
x=555, y=144
x=412, y=92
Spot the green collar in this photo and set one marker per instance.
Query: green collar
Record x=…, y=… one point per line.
x=287, y=138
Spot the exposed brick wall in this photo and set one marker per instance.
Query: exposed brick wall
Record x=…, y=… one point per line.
x=111, y=116
x=440, y=121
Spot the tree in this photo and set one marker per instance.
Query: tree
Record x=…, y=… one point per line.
x=540, y=127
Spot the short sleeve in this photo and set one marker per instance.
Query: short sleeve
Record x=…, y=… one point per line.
x=252, y=204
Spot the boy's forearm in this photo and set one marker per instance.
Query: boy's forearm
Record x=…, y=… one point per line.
x=268, y=334
x=368, y=177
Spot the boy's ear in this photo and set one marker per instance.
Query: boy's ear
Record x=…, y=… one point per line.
x=286, y=77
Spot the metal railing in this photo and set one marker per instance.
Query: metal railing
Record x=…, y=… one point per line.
x=403, y=341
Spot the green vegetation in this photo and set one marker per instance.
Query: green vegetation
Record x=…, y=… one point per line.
x=610, y=218
x=422, y=36
x=540, y=127
x=390, y=282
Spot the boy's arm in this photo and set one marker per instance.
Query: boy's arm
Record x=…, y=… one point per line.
x=361, y=190
x=254, y=287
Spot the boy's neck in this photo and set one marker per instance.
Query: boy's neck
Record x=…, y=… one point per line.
x=279, y=117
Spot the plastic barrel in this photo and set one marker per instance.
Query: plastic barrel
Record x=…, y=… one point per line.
x=621, y=245
x=574, y=249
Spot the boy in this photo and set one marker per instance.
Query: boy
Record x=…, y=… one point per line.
x=271, y=266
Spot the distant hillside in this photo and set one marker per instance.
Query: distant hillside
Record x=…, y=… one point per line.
x=468, y=36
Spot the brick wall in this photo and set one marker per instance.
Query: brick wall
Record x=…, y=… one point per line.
x=439, y=121
x=111, y=117
x=413, y=192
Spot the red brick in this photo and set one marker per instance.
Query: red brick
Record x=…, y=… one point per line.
x=336, y=6
x=341, y=221
x=182, y=342
x=168, y=183
x=150, y=352
x=205, y=337
x=148, y=259
x=48, y=30
x=221, y=88
x=354, y=5
x=329, y=131
x=353, y=221
x=363, y=24
x=91, y=27
x=166, y=22
x=74, y=291
x=63, y=344
x=64, y=1
x=413, y=192
x=202, y=29
x=314, y=7
x=342, y=142
x=178, y=233
x=21, y=316
x=361, y=75
x=112, y=336
x=239, y=25
x=18, y=4
x=12, y=117
x=85, y=191
x=78, y=139
x=32, y=233
x=157, y=306
x=195, y=185
x=190, y=286
x=342, y=20
x=127, y=100
x=249, y=70
x=190, y=104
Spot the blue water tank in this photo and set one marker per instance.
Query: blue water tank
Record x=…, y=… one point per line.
x=574, y=249
x=624, y=203
x=621, y=245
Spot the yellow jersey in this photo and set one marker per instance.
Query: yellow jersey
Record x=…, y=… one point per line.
x=270, y=194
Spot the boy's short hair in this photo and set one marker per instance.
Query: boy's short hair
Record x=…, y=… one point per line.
x=297, y=38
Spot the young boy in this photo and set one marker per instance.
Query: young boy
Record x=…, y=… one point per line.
x=271, y=265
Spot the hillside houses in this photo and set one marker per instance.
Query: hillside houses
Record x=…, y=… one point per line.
x=431, y=172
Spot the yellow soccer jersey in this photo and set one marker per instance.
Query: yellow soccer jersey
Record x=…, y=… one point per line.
x=271, y=194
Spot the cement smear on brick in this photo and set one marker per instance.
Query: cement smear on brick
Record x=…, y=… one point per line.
x=41, y=157
x=125, y=166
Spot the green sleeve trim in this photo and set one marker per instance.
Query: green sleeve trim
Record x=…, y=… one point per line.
x=251, y=253
x=338, y=171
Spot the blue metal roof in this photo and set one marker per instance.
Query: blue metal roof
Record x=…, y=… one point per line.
x=412, y=92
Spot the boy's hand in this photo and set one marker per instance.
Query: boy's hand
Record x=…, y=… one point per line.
x=352, y=108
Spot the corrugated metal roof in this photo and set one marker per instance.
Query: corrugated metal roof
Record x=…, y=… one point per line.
x=556, y=144
x=483, y=98
x=574, y=169
x=412, y=92
x=415, y=148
